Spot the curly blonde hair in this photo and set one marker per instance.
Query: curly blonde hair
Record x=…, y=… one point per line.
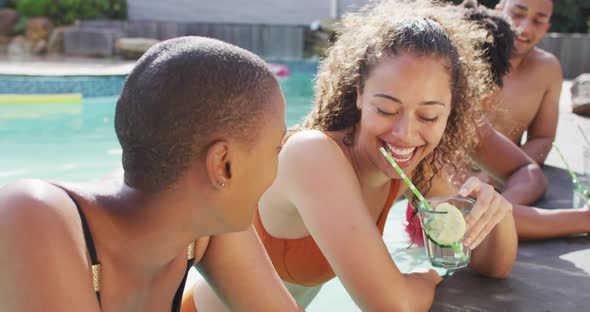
x=388, y=28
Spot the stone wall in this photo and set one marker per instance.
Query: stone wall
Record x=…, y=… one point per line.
x=572, y=50
x=270, y=41
x=275, y=12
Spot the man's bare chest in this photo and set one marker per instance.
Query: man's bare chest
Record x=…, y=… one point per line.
x=513, y=108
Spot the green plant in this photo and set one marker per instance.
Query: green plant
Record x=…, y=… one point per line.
x=568, y=15
x=21, y=25
x=8, y=4
x=33, y=8
x=67, y=11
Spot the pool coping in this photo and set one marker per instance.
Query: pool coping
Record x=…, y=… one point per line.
x=53, y=66
x=63, y=66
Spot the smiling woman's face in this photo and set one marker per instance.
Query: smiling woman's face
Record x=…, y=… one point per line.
x=405, y=105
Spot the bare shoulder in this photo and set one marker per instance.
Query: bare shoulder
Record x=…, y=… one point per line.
x=34, y=209
x=32, y=203
x=547, y=63
x=313, y=151
x=308, y=154
x=310, y=143
x=41, y=242
x=309, y=136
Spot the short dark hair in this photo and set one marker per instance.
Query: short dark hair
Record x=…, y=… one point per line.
x=183, y=95
x=500, y=46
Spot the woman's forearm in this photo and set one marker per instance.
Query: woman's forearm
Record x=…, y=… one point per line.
x=495, y=256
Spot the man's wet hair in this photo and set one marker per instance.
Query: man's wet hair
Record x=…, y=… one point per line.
x=183, y=95
x=499, y=47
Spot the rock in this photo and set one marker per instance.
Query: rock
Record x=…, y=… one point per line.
x=8, y=18
x=581, y=95
x=38, y=28
x=19, y=46
x=134, y=48
x=90, y=42
x=4, y=41
x=40, y=47
x=55, y=44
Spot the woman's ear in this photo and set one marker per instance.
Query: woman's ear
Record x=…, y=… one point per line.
x=218, y=164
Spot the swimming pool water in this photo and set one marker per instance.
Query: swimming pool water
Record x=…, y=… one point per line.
x=88, y=86
x=77, y=142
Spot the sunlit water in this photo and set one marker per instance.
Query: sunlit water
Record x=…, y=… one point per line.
x=77, y=142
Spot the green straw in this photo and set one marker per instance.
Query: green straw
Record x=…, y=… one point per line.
x=405, y=178
x=455, y=246
x=583, y=135
x=575, y=180
x=567, y=166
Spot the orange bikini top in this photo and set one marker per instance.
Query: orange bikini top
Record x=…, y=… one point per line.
x=300, y=260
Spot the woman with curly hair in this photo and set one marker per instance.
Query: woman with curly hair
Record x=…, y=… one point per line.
x=402, y=76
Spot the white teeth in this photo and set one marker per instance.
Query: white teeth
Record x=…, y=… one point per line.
x=401, y=154
x=402, y=159
x=401, y=151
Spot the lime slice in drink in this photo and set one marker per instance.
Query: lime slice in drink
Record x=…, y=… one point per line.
x=448, y=228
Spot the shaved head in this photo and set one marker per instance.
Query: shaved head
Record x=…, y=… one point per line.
x=182, y=95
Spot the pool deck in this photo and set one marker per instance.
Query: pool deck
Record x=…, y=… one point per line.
x=63, y=66
x=552, y=275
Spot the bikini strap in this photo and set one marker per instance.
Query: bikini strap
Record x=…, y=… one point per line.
x=91, y=250
x=96, y=267
x=177, y=301
x=190, y=250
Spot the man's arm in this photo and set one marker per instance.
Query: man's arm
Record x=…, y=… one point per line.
x=541, y=132
x=240, y=272
x=524, y=181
